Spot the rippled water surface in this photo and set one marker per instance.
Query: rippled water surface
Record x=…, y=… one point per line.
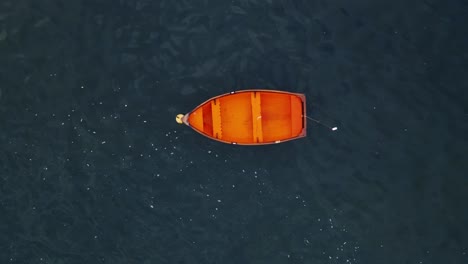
x=94, y=169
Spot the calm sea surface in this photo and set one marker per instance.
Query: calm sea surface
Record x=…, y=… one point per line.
x=94, y=168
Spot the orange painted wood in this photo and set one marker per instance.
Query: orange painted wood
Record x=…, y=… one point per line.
x=216, y=117
x=296, y=112
x=251, y=117
x=236, y=112
x=196, y=119
x=256, y=117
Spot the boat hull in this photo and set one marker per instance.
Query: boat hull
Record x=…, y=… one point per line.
x=251, y=117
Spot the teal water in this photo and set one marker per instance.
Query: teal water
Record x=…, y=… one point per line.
x=94, y=169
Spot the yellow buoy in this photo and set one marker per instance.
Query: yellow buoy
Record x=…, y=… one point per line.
x=179, y=118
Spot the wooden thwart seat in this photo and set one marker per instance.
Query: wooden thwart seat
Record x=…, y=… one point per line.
x=216, y=117
x=257, y=117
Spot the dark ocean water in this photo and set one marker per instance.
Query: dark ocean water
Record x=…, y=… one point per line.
x=94, y=169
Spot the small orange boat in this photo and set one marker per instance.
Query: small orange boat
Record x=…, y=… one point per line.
x=250, y=117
